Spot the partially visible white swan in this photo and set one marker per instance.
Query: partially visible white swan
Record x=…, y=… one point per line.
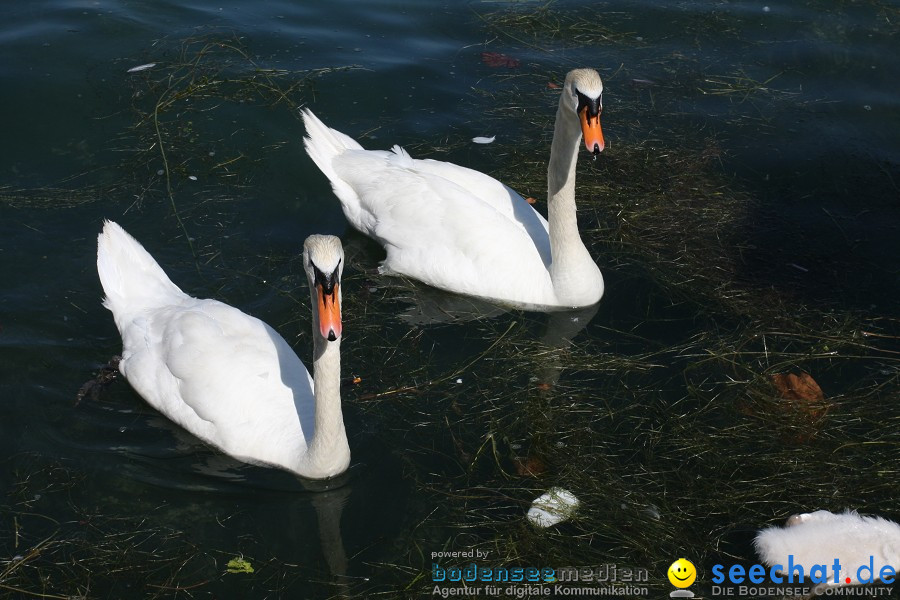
x=463, y=231
x=820, y=537
x=223, y=375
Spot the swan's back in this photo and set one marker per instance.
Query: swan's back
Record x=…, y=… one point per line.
x=448, y=226
x=820, y=537
x=223, y=375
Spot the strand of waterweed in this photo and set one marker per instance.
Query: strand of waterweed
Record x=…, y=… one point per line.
x=169, y=191
x=198, y=74
x=547, y=26
x=163, y=102
x=34, y=594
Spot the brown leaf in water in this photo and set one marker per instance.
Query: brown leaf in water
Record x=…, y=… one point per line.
x=496, y=59
x=531, y=200
x=529, y=466
x=798, y=409
x=552, y=86
x=803, y=392
x=797, y=387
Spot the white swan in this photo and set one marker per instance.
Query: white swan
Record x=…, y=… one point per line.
x=821, y=537
x=463, y=231
x=223, y=375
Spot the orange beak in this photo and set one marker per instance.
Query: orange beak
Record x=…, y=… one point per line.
x=329, y=313
x=590, y=128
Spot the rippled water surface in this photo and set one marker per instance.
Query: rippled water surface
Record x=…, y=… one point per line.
x=745, y=215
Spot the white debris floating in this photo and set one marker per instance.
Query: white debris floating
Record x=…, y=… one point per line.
x=820, y=537
x=141, y=68
x=484, y=140
x=553, y=507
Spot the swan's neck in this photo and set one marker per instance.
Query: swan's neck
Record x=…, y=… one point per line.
x=572, y=270
x=563, y=154
x=328, y=453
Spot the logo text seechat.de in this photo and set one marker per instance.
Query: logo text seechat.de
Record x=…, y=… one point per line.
x=795, y=573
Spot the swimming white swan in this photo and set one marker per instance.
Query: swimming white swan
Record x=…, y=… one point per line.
x=223, y=375
x=820, y=537
x=463, y=231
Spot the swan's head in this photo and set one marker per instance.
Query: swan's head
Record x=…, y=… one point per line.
x=583, y=94
x=323, y=260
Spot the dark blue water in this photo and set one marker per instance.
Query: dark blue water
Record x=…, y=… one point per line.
x=108, y=499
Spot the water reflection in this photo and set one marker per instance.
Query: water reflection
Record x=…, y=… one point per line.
x=329, y=509
x=152, y=469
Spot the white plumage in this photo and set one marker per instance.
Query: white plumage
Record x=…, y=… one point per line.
x=223, y=375
x=463, y=231
x=820, y=537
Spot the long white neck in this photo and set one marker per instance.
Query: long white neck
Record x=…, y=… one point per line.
x=573, y=272
x=328, y=453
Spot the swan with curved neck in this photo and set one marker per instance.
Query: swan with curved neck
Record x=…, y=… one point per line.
x=227, y=377
x=465, y=232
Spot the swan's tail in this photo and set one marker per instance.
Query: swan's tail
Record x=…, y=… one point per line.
x=323, y=143
x=131, y=279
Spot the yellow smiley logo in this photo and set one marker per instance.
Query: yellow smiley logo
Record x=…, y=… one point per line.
x=682, y=573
